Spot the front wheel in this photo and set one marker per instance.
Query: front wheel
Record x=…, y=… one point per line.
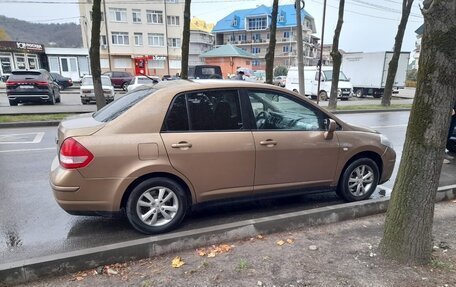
x=359, y=180
x=124, y=86
x=156, y=205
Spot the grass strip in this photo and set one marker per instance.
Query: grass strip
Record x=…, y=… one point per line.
x=372, y=107
x=32, y=118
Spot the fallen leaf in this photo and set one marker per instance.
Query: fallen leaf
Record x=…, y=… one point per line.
x=177, y=262
x=111, y=271
x=259, y=236
x=79, y=278
x=211, y=254
x=290, y=240
x=280, y=242
x=201, y=252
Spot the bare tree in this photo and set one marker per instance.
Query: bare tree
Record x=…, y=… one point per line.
x=408, y=226
x=272, y=43
x=185, y=40
x=392, y=67
x=94, y=54
x=337, y=58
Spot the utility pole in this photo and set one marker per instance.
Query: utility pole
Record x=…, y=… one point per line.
x=321, y=51
x=107, y=35
x=299, y=46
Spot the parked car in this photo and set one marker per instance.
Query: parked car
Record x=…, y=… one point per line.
x=280, y=81
x=451, y=143
x=169, y=78
x=159, y=150
x=36, y=86
x=120, y=79
x=205, y=72
x=64, y=82
x=139, y=81
x=87, y=90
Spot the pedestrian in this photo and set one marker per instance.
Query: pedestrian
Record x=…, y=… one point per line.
x=450, y=156
x=240, y=76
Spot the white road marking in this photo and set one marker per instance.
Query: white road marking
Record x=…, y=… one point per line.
x=16, y=138
x=27, y=150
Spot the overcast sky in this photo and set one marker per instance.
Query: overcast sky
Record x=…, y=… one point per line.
x=369, y=25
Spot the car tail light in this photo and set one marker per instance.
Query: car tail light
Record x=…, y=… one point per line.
x=74, y=155
x=86, y=91
x=41, y=83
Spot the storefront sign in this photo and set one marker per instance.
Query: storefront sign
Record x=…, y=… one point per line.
x=159, y=58
x=21, y=47
x=29, y=46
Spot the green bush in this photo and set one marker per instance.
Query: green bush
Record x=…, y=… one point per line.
x=280, y=71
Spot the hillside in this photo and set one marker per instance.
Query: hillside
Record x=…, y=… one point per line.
x=67, y=35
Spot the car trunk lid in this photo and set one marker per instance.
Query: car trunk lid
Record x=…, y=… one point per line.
x=81, y=125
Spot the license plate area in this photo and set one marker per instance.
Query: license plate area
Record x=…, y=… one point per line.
x=26, y=87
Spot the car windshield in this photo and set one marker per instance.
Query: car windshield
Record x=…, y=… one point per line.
x=328, y=76
x=145, y=81
x=87, y=81
x=119, y=106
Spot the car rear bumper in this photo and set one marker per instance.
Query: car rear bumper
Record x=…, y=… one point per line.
x=32, y=97
x=92, y=98
x=78, y=195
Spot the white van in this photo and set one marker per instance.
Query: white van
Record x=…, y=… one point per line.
x=345, y=88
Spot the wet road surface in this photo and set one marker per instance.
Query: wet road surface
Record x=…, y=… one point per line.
x=32, y=224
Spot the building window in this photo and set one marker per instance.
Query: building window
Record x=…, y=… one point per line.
x=156, y=40
x=242, y=37
x=154, y=17
x=258, y=23
x=255, y=63
x=171, y=1
x=256, y=37
x=235, y=22
x=287, y=49
x=102, y=16
x=120, y=38
x=103, y=40
x=174, y=42
x=286, y=34
x=122, y=63
x=173, y=20
x=174, y=64
x=136, y=13
x=256, y=50
x=232, y=38
x=138, y=39
x=281, y=18
x=118, y=14
x=156, y=64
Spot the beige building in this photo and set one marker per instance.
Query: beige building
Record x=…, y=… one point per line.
x=138, y=29
x=201, y=40
x=249, y=30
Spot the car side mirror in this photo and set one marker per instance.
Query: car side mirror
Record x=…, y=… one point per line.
x=330, y=129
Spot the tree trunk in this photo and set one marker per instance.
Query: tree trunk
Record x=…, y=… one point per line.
x=408, y=226
x=392, y=67
x=185, y=41
x=94, y=54
x=272, y=43
x=337, y=58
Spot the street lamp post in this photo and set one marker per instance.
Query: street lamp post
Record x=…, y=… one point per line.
x=321, y=52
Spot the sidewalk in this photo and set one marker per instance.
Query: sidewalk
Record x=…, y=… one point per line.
x=342, y=254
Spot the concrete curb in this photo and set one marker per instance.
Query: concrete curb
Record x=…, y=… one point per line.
x=56, y=123
x=58, y=264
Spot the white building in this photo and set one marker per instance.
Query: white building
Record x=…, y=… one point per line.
x=69, y=62
x=138, y=29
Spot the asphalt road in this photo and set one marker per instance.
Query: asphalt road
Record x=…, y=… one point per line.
x=32, y=224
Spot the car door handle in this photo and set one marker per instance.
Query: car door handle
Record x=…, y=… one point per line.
x=182, y=145
x=268, y=142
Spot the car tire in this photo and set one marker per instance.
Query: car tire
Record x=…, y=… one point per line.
x=124, y=86
x=358, y=180
x=451, y=146
x=51, y=100
x=57, y=100
x=359, y=93
x=157, y=196
x=323, y=96
x=12, y=103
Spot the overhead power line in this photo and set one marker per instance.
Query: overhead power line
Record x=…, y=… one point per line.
x=115, y=2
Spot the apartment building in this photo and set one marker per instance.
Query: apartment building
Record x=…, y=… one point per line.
x=248, y=29
x=201, y=40
x=132, y=32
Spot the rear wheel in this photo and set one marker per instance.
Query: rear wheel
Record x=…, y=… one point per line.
x=12, y=103
x=359, y=180
x=359, y=93
x=323, y=96
x=51, y=100
x=156, y=205
x=124, y=86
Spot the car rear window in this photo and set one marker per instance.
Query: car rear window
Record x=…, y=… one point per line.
x=121, y=105
x=26, y=75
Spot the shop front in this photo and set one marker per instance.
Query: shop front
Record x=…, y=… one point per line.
x=21, y=56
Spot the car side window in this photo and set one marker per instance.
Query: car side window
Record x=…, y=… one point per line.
x=215, y=110
x=275, y=111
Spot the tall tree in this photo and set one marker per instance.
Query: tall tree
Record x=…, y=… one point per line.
x=272, y=43
x=185, y=40
x=3, y=35
x=408, y=226
x=94, y=54
x=337, y=58
x=392, y=67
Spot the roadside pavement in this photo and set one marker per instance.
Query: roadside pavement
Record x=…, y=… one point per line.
x=342, y=254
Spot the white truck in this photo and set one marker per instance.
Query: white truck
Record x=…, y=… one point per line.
x=345, y=88
x=368, y=71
